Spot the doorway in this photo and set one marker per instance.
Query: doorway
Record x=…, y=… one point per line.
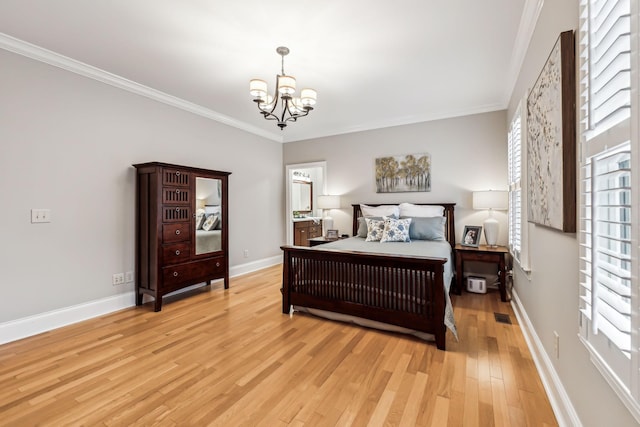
x=316, y=173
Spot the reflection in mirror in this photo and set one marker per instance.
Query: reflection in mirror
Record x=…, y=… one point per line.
x=301, y=196
x=208, y=215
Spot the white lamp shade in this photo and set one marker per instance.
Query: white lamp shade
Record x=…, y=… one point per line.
x=491, y=199
x=286, y=85
x=258, y=88
x=328, y=202
x=308, y=97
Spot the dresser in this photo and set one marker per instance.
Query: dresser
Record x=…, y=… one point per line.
x=181, y=229
x=305, y=230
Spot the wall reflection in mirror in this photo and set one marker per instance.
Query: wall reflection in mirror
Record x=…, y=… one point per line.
x=302, y=196
x=208, y=215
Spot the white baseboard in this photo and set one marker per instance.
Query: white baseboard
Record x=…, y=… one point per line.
x=563, y=409
x=250, y=267
x=43, y=322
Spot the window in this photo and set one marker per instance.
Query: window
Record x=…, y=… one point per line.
x=516, y=160
x=608, y=202
x=515, y=192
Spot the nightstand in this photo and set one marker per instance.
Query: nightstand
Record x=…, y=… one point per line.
x=321, y=240
x=496, y=255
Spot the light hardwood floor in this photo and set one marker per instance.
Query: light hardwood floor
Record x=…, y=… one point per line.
x=230, y=358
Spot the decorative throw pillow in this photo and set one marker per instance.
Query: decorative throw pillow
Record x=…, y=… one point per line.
x=431, y=228
x=362, y=225
x=200, y=219
x=396, y=230
x=409, y=209
x=210, y=222
x=375, y=228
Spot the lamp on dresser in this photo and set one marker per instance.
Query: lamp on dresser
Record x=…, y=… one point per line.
x=491, y=200
x=326, y=203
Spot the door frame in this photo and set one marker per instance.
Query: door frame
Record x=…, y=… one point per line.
x=288, y=179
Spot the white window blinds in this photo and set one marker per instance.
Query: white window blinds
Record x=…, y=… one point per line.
x=606, y=54
x=608, y=201
x=515, y=191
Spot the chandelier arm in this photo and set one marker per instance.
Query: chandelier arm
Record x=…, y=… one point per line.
x=294, y=117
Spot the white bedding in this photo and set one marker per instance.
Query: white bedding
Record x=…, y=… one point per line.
x=428, y=248
x=208, y=241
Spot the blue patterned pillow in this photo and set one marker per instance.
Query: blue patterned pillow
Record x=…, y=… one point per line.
x=396, y=230
x=375, y=228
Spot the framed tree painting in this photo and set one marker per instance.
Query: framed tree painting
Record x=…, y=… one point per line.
x=397, y=174
x=551, y=140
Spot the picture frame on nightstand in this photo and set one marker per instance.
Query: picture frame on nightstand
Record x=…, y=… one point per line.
x=471, y=235
x=332, y=234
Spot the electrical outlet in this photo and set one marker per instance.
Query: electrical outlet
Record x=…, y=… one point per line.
x=556, y=344
x=40, y=215
x=246, y=253
x=128, y=277
x=118, y=279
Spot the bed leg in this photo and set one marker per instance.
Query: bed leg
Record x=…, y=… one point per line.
x=286, y=304
x=286, y=307
x=441, y=335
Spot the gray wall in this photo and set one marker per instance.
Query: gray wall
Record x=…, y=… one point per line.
x=550, y=293
x=68, y=143
x=467, y=153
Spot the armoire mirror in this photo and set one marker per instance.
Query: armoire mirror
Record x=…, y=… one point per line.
x=302, y=196
x=208, y=215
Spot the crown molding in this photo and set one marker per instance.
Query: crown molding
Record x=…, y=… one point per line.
x=528, y=21
x=46, y=56
x=403, y=121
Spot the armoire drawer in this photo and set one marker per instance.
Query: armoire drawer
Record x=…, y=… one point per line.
x=176, y=196
x=176, y=213
x=176, y=253
x=177, y=232
x=190, y=271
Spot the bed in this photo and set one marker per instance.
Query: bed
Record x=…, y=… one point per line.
x=397, y=289
x=208, y=241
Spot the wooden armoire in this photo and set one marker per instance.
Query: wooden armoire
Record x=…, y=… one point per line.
x=182, y=236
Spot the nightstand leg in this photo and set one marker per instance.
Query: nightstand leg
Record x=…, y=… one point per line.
x=502, y=280
x=458, y=275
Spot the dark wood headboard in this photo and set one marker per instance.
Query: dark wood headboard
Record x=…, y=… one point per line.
x=450, y=229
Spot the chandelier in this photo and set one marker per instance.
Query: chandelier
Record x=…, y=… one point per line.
x=291, y=107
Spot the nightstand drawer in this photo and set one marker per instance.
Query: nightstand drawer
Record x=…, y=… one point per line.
x=483, y=257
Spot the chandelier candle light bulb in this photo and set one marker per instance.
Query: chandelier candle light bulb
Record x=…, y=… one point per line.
x=291, y=108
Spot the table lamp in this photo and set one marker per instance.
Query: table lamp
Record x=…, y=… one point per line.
x=326, y=203
x=492, y=200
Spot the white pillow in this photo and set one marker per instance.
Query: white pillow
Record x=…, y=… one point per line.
x=384, y=210
x=409, y=209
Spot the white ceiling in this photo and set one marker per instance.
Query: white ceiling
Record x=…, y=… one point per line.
x=374, y=63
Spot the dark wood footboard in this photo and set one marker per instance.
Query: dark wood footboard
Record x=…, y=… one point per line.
x=398, y=290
